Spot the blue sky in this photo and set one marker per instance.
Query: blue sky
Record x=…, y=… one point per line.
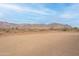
x=65, y=13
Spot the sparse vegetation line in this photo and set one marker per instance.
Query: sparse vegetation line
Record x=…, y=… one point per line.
x=17, y=28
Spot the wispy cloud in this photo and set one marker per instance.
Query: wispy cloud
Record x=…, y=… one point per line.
x=71, y=12
x=40, y=13
x=27, y=9
x=68, y=15
x=11, y=7
x=1, y=14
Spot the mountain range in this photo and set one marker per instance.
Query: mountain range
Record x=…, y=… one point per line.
x=7, y=25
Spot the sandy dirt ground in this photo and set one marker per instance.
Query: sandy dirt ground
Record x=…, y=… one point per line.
x=40, y=44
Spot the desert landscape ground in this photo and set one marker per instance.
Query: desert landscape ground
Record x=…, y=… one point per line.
x=50, y=43
x=39, y=29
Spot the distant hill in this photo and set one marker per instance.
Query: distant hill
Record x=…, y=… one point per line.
x=60, y=26
x=52, y=25
x=12, y=27
x=7, y=25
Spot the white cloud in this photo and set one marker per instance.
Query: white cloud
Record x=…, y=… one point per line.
x=69, y=15
x=71, y=12
x=1, y=14
x=27, y=9
x=36, y=11
x=11, y=7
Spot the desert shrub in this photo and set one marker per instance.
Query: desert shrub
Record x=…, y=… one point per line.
x=66, y=29
x=3, y=30
x=76, y=29
x=41, y=29
x=7, y=31
x=51, y=29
